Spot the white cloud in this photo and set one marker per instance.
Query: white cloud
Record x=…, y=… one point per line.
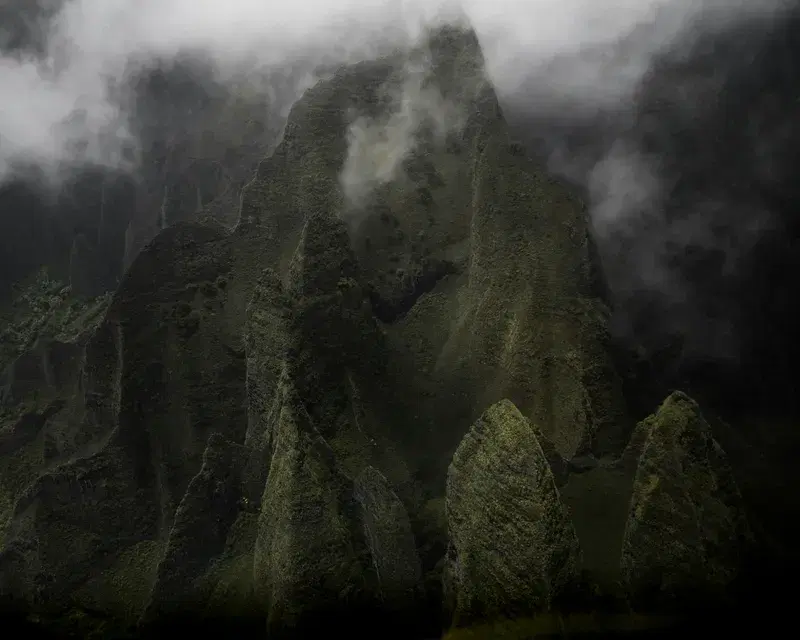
x=378, y=146
x=91, y=43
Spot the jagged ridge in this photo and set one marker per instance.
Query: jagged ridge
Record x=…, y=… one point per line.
x=247, y=438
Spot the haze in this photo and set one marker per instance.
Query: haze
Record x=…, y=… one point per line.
x=61, y=106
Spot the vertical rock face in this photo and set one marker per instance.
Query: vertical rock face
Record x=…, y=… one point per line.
x=127, y=450
x=686, y=530
x=247, y=436
x=390, y=539
x=266, y=339
x=307, y=564
x=320, y=540
x=531, y=256
x=482, y=267
x=214, y=499
x=337, y=343
x=512, y=546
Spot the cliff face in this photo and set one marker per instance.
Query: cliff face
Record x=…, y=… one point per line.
x=90, y=230
x=513, y=548
x=315, y=417
x=687, y=528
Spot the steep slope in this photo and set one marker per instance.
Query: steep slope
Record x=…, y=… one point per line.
x=687, y=531
x=134, y=443
x=288, y=420
x=513, y=547
x=200, y=140
x=519, y=322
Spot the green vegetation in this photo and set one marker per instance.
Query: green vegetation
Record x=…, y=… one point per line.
x=321, y=412
x=44, y=307
x=687, y=531
x=501, y=496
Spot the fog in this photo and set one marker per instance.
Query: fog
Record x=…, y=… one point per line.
x=64, y=104
x=561, y=64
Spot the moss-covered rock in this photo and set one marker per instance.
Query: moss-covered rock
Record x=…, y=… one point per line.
x=306, y=562
x=313, y=348
x=125, y=454
x=333, y=423
x=390, y=540
x=44, y=308
x=96, y=507
x=512, y=545
x=337, y=346
x=267, y=341
x=687, y=531
x=214, y=500
x=43, y=333
x=487, y=289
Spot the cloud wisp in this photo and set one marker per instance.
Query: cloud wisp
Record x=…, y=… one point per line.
x=66, y=93
x=64, y=104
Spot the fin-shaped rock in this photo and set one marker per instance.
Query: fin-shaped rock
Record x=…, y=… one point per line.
x=313, y=345
x=336, y=355
x=307, y=567
x=512, y=545
x=214, y=499
x=266, y=345
x=390, y=540
x=687, y=529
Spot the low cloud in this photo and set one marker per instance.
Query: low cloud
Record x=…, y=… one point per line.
x=68, y=101
x=583, y=76
x=378, y=145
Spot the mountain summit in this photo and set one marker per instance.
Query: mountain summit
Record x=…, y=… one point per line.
x=374, y=392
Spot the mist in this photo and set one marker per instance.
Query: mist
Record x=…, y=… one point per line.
x=65, y=101
x=576, y=77
x=378, y=145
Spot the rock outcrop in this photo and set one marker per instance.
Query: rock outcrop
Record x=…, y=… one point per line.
x=210, y=523
x=285, y=419
x=687, y=532
x=512, y=545
x=308, y=566
x=319, y=544
x=246, y=369
x=390, y=539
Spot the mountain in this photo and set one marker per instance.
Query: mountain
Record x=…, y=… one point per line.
x=403, y=415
